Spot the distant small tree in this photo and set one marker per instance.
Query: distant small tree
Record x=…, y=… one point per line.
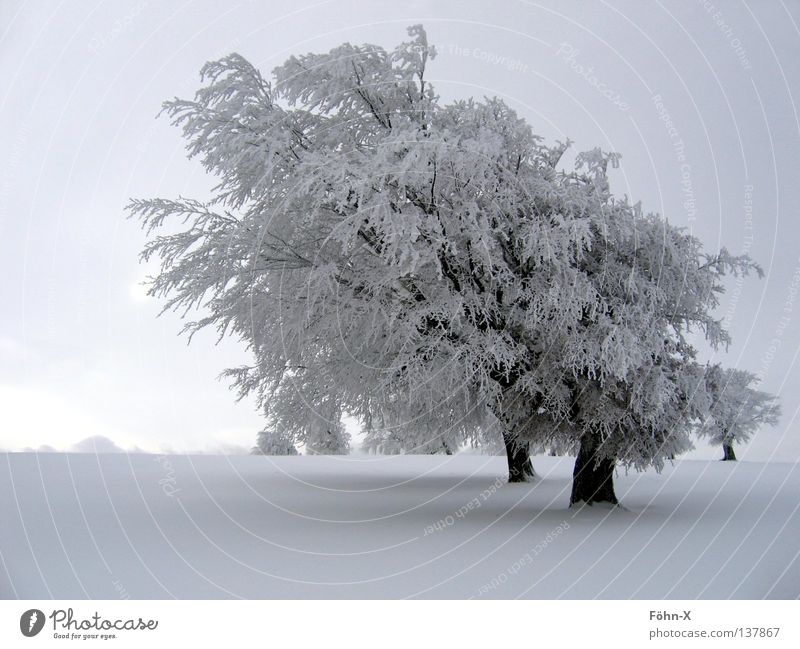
x=328, y=440
x=391, y=443
x=416, y=437
x=736, y=409
x=309, y=416
x=269, y=442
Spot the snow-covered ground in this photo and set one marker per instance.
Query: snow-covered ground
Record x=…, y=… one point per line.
x=146, y=526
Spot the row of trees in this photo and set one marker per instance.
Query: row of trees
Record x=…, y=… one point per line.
x=433, y=271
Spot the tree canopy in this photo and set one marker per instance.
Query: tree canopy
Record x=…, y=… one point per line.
x=430, y=268
x=735, y=409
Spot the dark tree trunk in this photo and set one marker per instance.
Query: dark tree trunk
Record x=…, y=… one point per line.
x=520, y=468
x=728, y=454
x=592, y=480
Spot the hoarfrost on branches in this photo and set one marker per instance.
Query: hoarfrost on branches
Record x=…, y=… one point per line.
x=736, y=410
x=430, y=268
x=273, y=443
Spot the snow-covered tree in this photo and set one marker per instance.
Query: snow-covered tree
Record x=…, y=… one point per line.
x=389, y=442
x=429, y=268
x=328, y=441
x=418, y=435
x=270, y=442
x=736, y=410
x=641, y=395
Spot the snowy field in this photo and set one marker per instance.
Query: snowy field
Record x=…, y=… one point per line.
x=144, y=526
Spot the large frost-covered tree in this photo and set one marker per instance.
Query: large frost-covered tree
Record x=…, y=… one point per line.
x=736, y=409
x=430, y=268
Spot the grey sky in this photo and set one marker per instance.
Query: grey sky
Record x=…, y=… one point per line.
x=696, y=95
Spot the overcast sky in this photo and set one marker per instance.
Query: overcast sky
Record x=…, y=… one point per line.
x=81, y=350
